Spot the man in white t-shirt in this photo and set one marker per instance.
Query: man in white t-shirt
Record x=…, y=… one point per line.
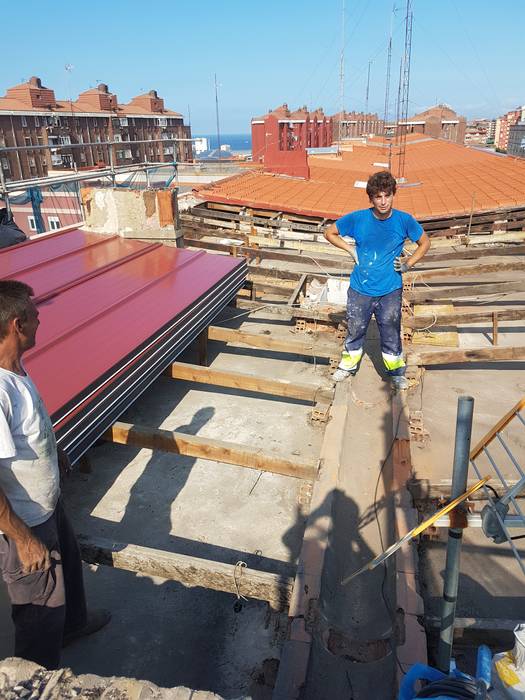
x=39, y=556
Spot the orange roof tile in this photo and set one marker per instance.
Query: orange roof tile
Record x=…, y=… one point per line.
x=443, y=179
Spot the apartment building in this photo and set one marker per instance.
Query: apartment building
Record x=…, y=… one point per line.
x=351, y=125
x=504, y=124
x=30, y=115
x=438, y=122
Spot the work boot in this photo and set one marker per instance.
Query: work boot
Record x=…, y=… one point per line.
x=96, y=619
x=399, y=382
x=341, y=374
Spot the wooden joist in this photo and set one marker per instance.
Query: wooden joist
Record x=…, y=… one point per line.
x=452, y=357
x=267, y=342
x=190, y=571
x=206, y=448
x=465, y=270
x=469, y=290
x=248, y=382
x=460, y=317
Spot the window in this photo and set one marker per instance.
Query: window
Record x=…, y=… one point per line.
x=123, y=121
x=24, y=121
x=28, y=141
x=5, y=164
x=82, y=157
x=32, y=163
x=32, y=223
x=162, y=121
x=37, y=121
x=64, y=140
x=80, y=138
x=53, y=223
x=117, y=138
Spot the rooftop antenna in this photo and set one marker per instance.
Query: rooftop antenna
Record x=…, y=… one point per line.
x=404, y=86
x=217, y=115
x=367, y=87
x=342, y=79
x=387, y=86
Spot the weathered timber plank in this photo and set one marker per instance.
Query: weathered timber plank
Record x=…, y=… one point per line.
x=470, y=290
x=425, y=490
x=465, y=270
x=248, y=382
x=299, y=287
x=206, y=448
x=449, y=357
x=331, y=263
x=190, y=571
x=279, y=309
x=317, y=349
x=474, y=252
x=460, y=317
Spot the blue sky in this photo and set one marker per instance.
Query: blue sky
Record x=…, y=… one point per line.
x=466, y=53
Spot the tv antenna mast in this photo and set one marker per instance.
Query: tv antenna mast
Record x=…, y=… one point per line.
x=387, y=88
x=342, y=80
x=404, y=87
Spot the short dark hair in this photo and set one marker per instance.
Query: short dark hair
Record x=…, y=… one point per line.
x=382, y=181
x=14, y=298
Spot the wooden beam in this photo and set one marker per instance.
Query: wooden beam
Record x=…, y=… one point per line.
x=474, y=252
x=460, y=317
x=267, y=342
x=465, y=270
x=476, y=623
x=299, y=287
x=190, y=571
x=206, y=448
x=278, y=309
x=248, y=382
x=470, y=290
x=426, y=490
x=452, y=357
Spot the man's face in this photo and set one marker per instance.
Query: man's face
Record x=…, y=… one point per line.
x=27, y=328
x=382, y=203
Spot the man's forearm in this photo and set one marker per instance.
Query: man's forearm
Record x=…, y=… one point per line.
x=10, y=524
x=423, y=246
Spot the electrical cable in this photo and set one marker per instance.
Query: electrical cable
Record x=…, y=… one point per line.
x=451, y=688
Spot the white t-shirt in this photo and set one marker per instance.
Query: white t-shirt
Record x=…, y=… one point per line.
x=29, y=474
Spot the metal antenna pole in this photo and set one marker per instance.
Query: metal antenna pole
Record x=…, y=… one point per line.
x=387, y=85
x=342, y=79
x=367, y=87
x=455, y=534
x=217, y=116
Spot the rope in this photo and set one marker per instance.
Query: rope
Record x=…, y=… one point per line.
x=239, y=566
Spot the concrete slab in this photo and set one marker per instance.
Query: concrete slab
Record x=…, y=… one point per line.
x=161, y=631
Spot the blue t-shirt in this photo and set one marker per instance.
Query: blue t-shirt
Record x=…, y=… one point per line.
x=378, y=242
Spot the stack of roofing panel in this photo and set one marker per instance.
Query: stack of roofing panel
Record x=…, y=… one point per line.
x=113, y=314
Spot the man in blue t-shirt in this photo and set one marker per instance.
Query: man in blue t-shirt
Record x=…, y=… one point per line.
x=376, y=280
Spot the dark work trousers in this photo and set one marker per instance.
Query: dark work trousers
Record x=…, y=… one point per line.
x=45, y=604
x=387, y=310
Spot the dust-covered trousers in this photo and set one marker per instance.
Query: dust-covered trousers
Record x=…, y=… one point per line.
x=387, y=311
x=45, y=604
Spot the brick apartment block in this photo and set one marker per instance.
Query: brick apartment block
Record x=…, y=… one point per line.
x=30, y=115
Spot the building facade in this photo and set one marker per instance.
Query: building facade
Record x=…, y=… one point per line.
x=352, y=125
x=480, y=132
x=294, y=131
x=438, y=122
x=504, y=124
x=516, y=143
x=30, y=115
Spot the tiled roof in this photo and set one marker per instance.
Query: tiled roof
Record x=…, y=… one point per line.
x=443, y=178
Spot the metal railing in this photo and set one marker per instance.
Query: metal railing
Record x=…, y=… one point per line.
x=503, y=511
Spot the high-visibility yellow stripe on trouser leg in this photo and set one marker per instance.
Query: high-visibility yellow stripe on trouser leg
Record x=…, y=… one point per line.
x=350, y=359
x=392, y=362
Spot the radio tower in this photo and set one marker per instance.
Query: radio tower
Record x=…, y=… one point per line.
x=387, y=87
x=404, y=86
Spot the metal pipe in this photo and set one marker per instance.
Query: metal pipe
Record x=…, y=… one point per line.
x=455, y=535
